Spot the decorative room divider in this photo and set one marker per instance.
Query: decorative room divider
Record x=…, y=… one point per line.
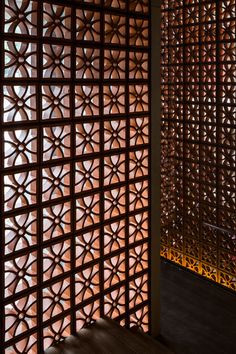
x=75, y=168
x=199, y=137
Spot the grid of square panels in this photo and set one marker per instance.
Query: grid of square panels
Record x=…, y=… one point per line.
x=198, y=137
x=75, y=122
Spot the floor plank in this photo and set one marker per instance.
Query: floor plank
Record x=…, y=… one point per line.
x=197, y=317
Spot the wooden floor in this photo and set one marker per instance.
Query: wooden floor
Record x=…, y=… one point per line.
x=107, y=337
x=197, y=317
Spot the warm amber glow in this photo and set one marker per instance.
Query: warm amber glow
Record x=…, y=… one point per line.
x=198, y=137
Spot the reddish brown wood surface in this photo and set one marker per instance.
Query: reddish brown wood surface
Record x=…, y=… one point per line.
x=75, y=167
x=199, y=136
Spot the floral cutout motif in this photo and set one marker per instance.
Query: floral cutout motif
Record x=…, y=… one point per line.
x=138, y=32
x=56, y=61
x=86, y=101
x=87, y=211
x=56, y=142
x=56, y=21
x=88, y=25
x=114, y=236
x=20, y=59
x=114, y=134
x=114, y=64
x=87, y=175
x=87, y=247
x=56, y=259
x=20, y=190
x=21, y=17
x=114, y=303
x=114, y=169
x=56, y=220
x=87, y=283
x=56, y=331
x=19, y=103
x=114, y=202
x=56, y=182
x=87, y=314
x=87, y=138
x=56, y=299
x=55, y=102
x=20, y=147
x=114, y=270
x=21, y=316
x=20, y=232
x=87, y=63
x=115, y=29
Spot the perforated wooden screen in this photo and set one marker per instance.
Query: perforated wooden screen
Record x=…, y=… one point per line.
x=74, y=167
x=199, y=137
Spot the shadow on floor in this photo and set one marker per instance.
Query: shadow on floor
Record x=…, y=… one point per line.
x=197, y=317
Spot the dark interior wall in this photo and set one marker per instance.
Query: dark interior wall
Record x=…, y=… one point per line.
x=199, y=136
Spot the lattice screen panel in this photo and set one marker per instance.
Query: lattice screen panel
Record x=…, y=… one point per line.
x=75, y=120
x=199, y=137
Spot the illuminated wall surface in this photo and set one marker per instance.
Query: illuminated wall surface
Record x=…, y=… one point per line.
x=75, y=177
x=199, y=137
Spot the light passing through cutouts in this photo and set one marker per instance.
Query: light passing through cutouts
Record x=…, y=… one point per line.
x=75, y=168
x=198, y=137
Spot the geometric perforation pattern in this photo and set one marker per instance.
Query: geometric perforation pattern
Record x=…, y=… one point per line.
x=74, y=168
x=198, y=137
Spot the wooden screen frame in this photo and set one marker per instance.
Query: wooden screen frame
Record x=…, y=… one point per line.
x=49, y=70
x=198, y=137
